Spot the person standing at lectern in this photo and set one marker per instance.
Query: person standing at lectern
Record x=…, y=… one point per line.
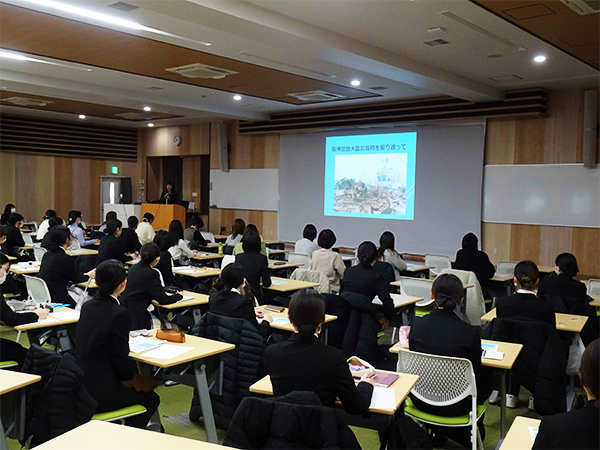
x=169, y=196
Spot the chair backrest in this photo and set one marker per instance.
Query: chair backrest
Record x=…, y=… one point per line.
x=299, y=258
x=27, y=239
x=227, y=259
x=417, y=287
x=38, y=252
x=37, y=289
x=313, y=276
x=442, y=380
x=439, y=262
x=474, y=303
x=75, y=245
x=593, y=287
x=208, y=236
x=506, y=267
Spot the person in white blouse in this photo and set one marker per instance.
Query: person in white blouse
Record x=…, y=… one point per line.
x=145, y=230
x=77, y=232
x=179, y=249
x=327, y=261
x=307, y=244
x=388, y=254
x=45, y=225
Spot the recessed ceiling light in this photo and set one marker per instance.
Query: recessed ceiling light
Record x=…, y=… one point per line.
x=355, y=82
x=147, y=108
x=237, y=97
x=150, y=125
x=539, y=58
x=82, y=116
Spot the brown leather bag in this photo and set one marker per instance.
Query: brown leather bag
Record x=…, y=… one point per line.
x=171, y=335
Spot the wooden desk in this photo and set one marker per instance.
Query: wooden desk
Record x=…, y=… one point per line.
x=596, y=301
x=273, y=265
x=60, y=326
x=289, y=327
x=564, y=322
x=287, y=285
x=502, y=277
x=11, y=258
x=273, y=242
x=413, y=267
x=402, y=386
x=26, y=268
x=465, y=285
x=26, y=247
x=201, y=350
x=518, y=437
x=546, y=269
x=194, y=304
x=277, y=252
x=197, y=272
x=401, y=301
x=207, y=256
x=11, y=382
x=82, y=252
x=92, y=284
x=98, y=435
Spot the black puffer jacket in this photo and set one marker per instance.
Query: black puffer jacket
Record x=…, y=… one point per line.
x=60, y=401
x=243, y=366
x=579, y=306
x=298, y=420
x=542, y=363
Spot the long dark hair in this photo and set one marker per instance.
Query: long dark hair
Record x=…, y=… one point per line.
x=367, y=253
x=175, y=232
x=307, y=312
x=8, y=208
x=49, y=213
x=387, y=241
x=567, y=263
x=163, y=240
x=470, y=242
x=57, y=237
x=232, y=276
x=589, y=371
x=237, y=228
x=109, y=275
x=251, y=242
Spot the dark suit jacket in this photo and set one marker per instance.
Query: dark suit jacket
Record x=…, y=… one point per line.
x=578, y=429
x=369, y=282
x=562, y=286
x=12, y=319
x=475, y=261
x=232, y=304
x=165, y=266
x=111, y=247
x=299, y=366
x=443, y=333
x=14, y=238
x=525, y=307
x=102, y=337
x=256, y=269
x=130, y=241
x=57, y=270
x=174, y=199
x=143, y=286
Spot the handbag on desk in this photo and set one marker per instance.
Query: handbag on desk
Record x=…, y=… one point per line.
x=169, y=331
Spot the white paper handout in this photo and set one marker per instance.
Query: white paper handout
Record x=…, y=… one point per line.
x=490, y=351
x=167, y=351
x=533, y=431
x=383, y=398
x=65, y=315
x=280, y=321
x=276, y=282
x=48, y=320
x=186, y=298
x=140, y=344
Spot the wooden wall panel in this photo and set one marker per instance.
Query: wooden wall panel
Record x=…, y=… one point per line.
x=586, y=247
x=500, y=141
x=495, y=241
x=265, y=221
x=525, y=242
x=529, y=141
x=561, y=132
x=553, y=242
x=158, y=141
x=192, y=179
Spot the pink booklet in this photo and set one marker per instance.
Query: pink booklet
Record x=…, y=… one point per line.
x=383, y=379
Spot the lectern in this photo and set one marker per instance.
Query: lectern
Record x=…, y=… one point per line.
x=164, y=214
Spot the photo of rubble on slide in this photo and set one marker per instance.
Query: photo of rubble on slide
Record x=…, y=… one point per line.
x=370, y=183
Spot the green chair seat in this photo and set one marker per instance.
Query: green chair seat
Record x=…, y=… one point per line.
x=423, y=310
x=412, y=410
x=119, y=414
x=7, y=364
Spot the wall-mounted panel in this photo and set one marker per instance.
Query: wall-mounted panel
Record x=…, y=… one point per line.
x=253, y=189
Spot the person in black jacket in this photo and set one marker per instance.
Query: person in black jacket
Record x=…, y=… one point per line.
x=165, y=264
x=14, y=238
x=303, y=363
x=472, y=259
x=255, y=265
x=144, y=284
x=102, y=337
x=229, y=301
x=52, y=222
x=366, y=280
x=169, y=195
x=58, y=268
x=577, y=429
x=563, y=284
x=11, y=350
x=129, y=237
x=111, y=246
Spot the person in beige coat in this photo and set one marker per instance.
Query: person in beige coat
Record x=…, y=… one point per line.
x=327, y=261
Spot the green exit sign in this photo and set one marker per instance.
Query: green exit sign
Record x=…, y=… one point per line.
x=114, y=170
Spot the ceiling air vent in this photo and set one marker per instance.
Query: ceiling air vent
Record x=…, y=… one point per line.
x=316, y=96
x=22, y=101
x=154, y=88
x=201, y=71
x=378, y=88
x=436, y=42
x=135, y=116
x=506, y=78
x=122, y=6
x=583, y=7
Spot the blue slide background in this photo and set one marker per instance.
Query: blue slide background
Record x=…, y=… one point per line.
x=377, y=145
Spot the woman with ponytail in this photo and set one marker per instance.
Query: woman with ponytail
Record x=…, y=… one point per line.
x=102, y=337
x=75, y=218
x=58, y=268
x=45, y=225
x=230, y=302
x=304, y=363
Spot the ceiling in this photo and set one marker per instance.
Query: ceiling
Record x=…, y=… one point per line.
x=277, y=48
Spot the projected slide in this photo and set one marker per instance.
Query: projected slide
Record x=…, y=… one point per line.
x=371, y=176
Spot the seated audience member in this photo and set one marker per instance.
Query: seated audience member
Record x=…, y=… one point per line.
x=9, y=284
x=178, y=247
x=111, y=215
x=472, y=259
x=144, y=230
x=77, y=231
x=193, y=234
x=364, y=279
x=8, y=210
x=307, y=244
x=144, y=284
x=52, y=222
x=111, y=246
x=45, y=225
x=58, y=268
x=237, y=231
x=229, y=301
x=250, y=228
x=14, y=238
x=102, y=337
x=11, y=350
x=304, y=363
x=327, y=261
x=255, y=265
x=165, y=264
x=387, y=253
x=563, y=283
x=443, y=333
x=580, y=428
x=129, y=237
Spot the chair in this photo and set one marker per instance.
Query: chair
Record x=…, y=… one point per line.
x=227, y=259
x=119, y=415
x=439, y=262
x=474, y=301
x=75, y=245
x=38, y=252
x=442, y=381
x=37, y=289
x=208, y=237
x=8, y=364
x=593, y=287
x=300, y=258
x=313, y=276
x=506, y=267
x=27, y=239
x=418, y=287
